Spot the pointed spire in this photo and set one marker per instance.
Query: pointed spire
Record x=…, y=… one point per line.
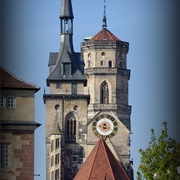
x=66, y=9
x=104, y=21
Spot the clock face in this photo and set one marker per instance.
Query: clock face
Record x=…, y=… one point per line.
x=105, y=125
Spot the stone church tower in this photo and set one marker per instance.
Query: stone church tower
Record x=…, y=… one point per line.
x=88, y=99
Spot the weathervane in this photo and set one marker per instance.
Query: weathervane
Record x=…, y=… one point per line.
x=104, y=22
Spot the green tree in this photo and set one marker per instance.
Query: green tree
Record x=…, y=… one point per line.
x=161, y=158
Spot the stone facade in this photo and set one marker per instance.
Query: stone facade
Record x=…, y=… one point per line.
x=17, y=128
x=88, y=99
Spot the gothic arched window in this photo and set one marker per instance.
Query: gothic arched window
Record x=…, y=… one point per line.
x=70, y=127
x=104, y=93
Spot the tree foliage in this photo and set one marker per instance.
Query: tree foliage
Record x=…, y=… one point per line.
x=161, y=158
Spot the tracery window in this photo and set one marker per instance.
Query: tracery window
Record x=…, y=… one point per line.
x=70, y=127
x=104, y=92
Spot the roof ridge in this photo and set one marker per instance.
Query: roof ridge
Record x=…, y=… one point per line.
x=94, y=157
x=107, y=157
x=19, y=79
x=120, y=165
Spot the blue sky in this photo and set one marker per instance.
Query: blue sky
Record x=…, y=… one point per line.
x=31, y=30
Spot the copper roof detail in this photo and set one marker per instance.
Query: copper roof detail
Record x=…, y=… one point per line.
x=101, y=164
x=9, y=80
x=104, y=34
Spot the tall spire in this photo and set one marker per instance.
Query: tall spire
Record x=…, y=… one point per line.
x=104, y=22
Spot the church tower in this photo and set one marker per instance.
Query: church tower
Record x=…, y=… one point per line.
x=88, y=99
x=105, y=58
x=66, y=105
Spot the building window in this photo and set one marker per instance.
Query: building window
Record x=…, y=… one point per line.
x=10, y=102
x=66, y=69
x=5, y=155
x=104, y=99
x=57, y=174
x=52, y=145
x=70, y=127
x=58, y=85
x=2, y=101
x=110, y=63
x=89, y=59
x=101, y=62
x=52, y=175
x=57, y=143
x=57, y=159
x=74, y=88
x=52, y=160
x=120, y=64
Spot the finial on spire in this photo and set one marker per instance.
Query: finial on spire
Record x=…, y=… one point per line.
x=104, y=22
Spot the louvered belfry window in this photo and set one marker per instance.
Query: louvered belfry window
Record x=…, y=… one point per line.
x=70, y=127
x=104, y=99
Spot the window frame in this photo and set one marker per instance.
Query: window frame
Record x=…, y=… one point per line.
x=74, y=88
x=57, y=143
x=66, y=68
x=5, y=156
x=71, y=125
x=57, y=159
x=2, y=101
x=104, y=93
x=110, y=64
x=10, y=102
x=57, y=174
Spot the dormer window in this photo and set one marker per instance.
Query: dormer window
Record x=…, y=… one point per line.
x=66, y=69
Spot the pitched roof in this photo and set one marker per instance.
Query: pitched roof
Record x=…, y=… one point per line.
x=9, y=80
x=104, y=34
x=101, y=164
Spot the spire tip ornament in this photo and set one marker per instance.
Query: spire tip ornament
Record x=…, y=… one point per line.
x=104, y=22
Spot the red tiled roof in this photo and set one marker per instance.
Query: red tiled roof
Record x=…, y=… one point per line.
x=104, y=34
x=101, y=164
x=8, y=80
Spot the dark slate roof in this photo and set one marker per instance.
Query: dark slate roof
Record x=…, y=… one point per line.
x=10, y=81
x=66, y=55
x=66, y=9
x=104, y=34
x=101, y=164
x=52, y=58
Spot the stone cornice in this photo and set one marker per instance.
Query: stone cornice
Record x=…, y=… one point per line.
x=66, y=97
x=107, y=71
x=19, y=125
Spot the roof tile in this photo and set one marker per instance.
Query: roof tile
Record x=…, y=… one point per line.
x=9, y=80
x=104, y=34
x=101, y=164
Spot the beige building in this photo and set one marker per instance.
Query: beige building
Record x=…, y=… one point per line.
x=17, y=127
x=88, y=99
